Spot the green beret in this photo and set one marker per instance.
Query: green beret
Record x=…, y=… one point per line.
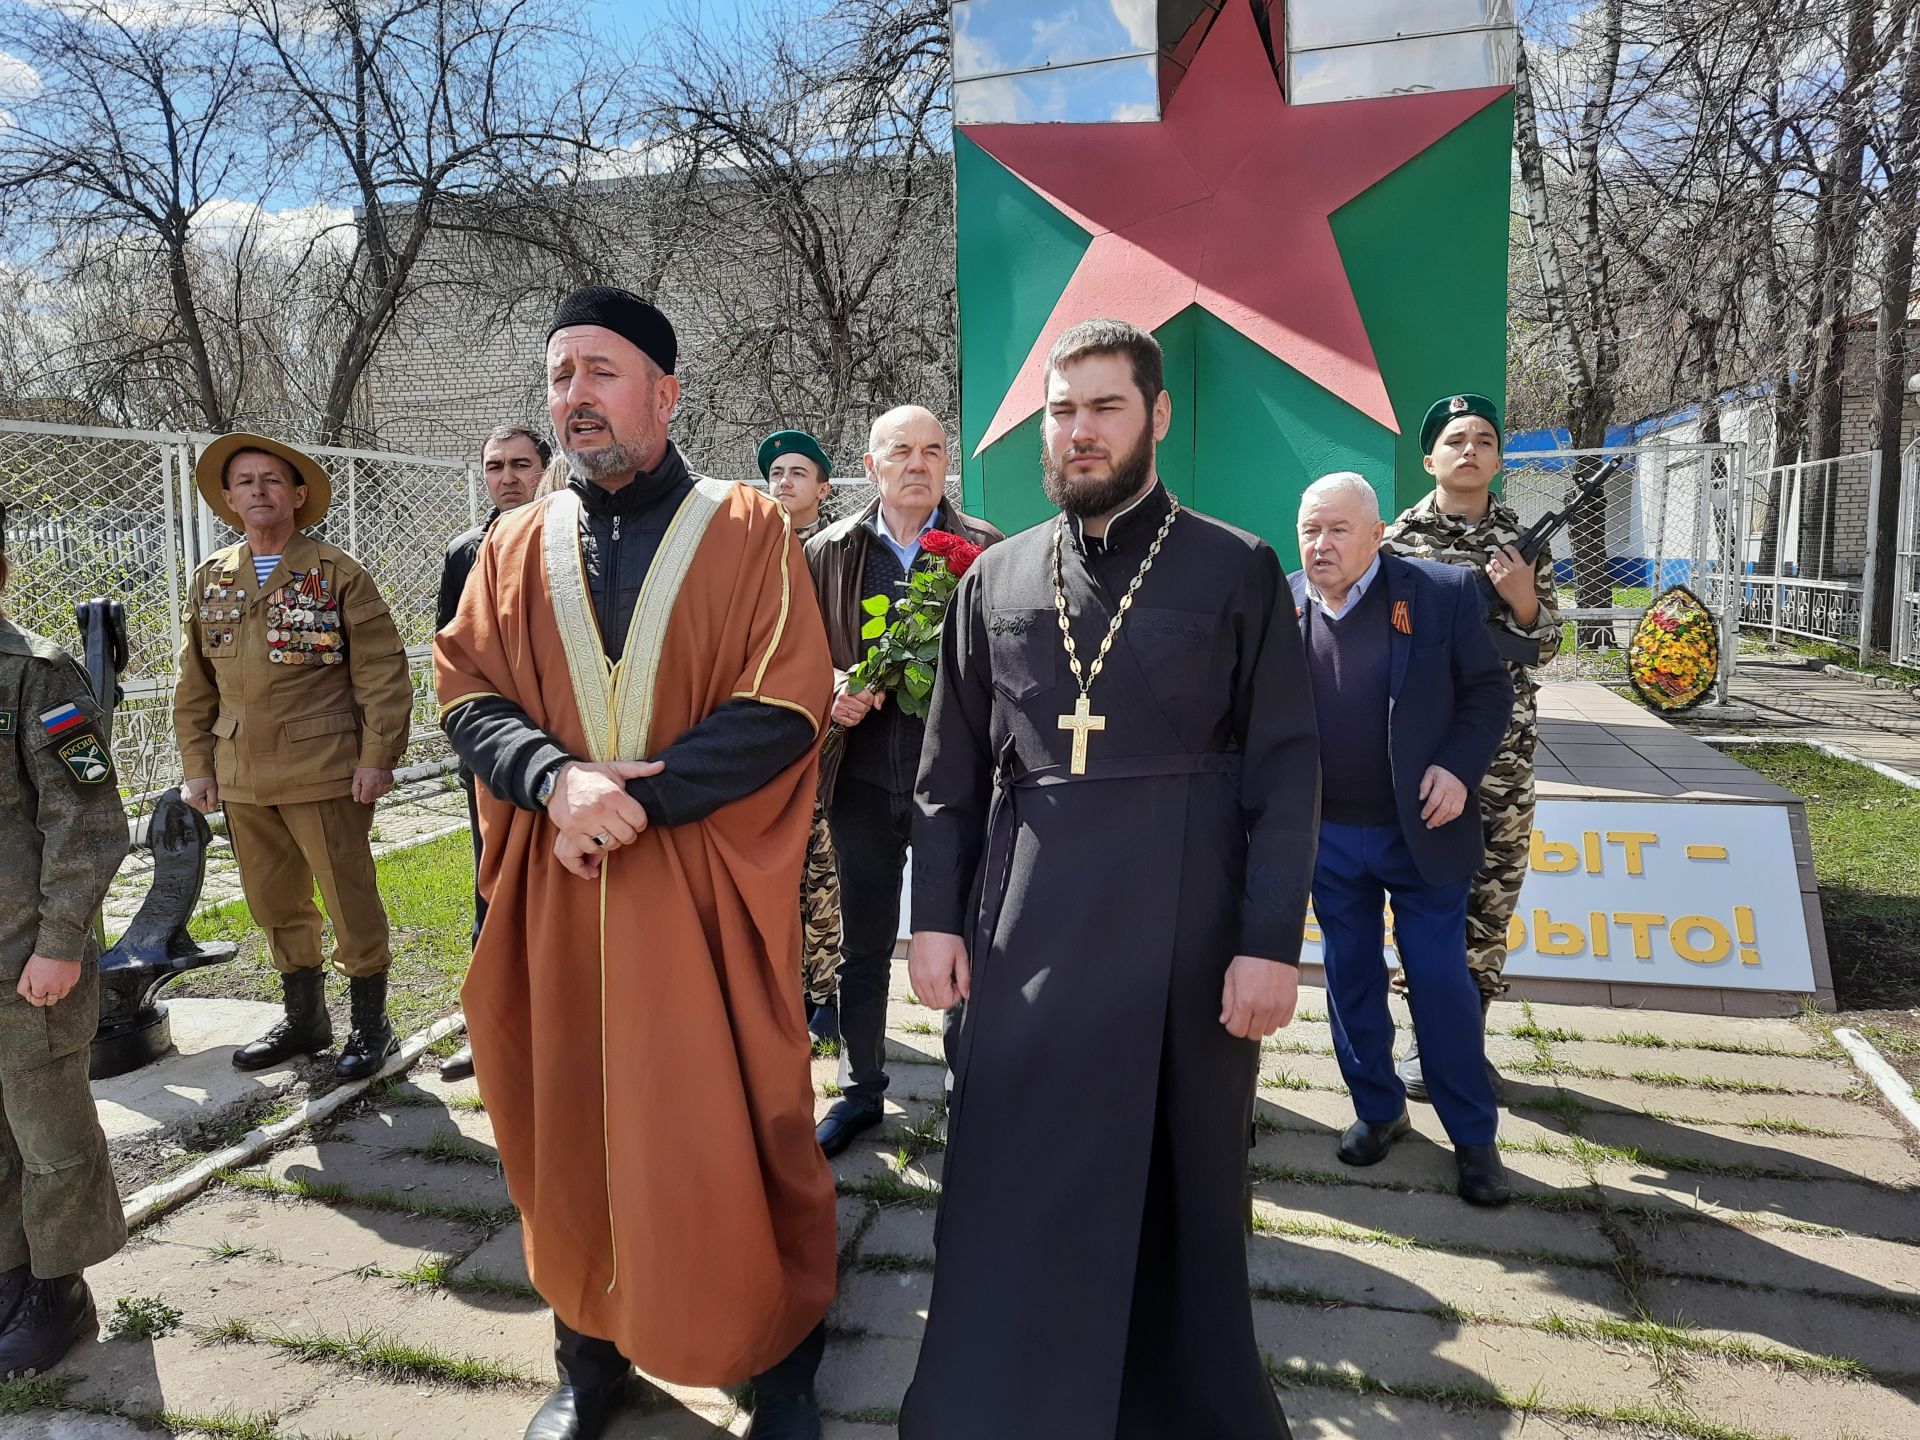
x=1452, y=407
x=793, y=442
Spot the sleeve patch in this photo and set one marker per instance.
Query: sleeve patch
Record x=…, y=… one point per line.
x=86, y=759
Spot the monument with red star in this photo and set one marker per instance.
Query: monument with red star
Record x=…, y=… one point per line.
x=1318, y=268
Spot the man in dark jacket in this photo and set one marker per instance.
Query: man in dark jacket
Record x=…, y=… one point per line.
x=869, y=773
x=1399, y=816
x=511, y=463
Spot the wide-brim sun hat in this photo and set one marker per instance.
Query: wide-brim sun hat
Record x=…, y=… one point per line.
x=212, y=465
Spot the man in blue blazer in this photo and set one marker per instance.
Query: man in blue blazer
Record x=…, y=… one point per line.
x=1412, y=702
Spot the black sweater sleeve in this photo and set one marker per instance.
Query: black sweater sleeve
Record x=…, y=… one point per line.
x=731, y=753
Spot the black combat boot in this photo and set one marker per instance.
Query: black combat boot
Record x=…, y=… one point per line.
x=459, y=1065
x=594, y=1378
x=53, y=1316
x=784, y=1405
x=305, y=1031
x=372, y=1041
x=1409, y=1070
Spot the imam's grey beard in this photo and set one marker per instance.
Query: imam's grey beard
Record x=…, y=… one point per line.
x=622, y=457
x=1088, y=499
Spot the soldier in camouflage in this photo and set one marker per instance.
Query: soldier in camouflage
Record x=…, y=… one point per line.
x=798, y=475
x=1464, y=523
x=63, y=830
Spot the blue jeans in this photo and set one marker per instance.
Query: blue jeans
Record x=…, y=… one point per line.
x=1357, y=869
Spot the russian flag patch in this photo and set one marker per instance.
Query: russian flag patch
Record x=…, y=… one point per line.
x=61, y=719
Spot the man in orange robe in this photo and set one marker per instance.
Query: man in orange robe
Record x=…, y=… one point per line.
x=637, y=674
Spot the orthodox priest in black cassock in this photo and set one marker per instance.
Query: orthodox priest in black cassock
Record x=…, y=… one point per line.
x=1091, y=1276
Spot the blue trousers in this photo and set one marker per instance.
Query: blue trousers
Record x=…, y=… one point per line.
x=1358, y=867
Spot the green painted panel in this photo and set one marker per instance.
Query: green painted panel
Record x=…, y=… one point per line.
x=1426, y=252
x=1014, y=253
x=1264, y=432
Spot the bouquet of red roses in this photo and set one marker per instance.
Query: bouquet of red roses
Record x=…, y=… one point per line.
x=907, y=627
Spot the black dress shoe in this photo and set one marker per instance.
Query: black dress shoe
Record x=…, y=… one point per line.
x=847, y=1119
x=576, y=1413
x=1483, y=1179
x=459, y=1065
x=1367, y=1144
x=52, y=1317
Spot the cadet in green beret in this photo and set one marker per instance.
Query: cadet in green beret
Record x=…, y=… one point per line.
x=64, y=833
x=1464, y=523
x=799, y=476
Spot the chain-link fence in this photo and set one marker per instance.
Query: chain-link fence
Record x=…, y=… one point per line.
x=1668, y=517
x=114, y=513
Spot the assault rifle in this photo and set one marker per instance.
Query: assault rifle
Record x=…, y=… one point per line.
x=1534, y=539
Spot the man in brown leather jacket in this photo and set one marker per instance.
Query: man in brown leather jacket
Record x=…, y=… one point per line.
x=868, y=775
x=293, y=707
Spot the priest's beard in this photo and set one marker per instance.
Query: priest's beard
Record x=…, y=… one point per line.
x=1089, y=498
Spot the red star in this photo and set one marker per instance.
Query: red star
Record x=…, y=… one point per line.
x=1225, y=204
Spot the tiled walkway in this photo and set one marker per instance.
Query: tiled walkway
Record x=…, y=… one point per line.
x=1718, y=1237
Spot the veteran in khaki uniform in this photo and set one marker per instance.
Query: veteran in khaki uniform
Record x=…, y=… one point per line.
x=64, y=836
x=1464, y=523
x=293, y=707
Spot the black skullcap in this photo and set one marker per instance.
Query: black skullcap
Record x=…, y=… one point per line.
x=627, y=315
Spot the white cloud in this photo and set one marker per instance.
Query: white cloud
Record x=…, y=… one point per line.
x=1140, y=21
x=227, y=224
x=18, y=81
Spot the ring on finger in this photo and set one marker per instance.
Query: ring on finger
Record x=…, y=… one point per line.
x=600, y=839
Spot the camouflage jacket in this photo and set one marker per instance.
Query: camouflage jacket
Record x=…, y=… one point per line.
x=61, y=824
x=1425, y=532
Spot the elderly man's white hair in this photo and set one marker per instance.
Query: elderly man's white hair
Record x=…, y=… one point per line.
x=1341, y=482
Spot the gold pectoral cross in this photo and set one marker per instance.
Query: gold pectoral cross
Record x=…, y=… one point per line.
x=1080, y=722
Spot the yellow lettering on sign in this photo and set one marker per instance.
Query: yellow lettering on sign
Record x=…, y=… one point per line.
x=1516, y=933
x=1551, y=857
x=1643, y=926
x=1632, y=841
x=1602, y=942
x=1590, y=842
x=1557, y=937
x=1743, y=927
x=1706, y=852
x=1719, y=946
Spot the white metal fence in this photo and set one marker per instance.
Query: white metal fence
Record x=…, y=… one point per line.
x=1805, y=548
x=1669, y=517
x=114, y=513
x=1905, y=579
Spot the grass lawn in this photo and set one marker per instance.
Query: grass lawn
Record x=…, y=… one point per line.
x=1849, y=658
x=429, y=895
x=1866, y=835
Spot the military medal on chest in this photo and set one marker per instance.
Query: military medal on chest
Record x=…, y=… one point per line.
x=303, y=622
x=1082, y=722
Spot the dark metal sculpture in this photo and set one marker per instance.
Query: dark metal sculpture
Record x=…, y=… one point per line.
x=134, y=1028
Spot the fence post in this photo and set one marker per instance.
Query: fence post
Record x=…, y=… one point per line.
x=353, y=509
x=1870, y=572
x=176, y=580
x=1732, y=542
x=473, y=496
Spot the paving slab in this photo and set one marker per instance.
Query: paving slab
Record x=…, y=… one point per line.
x=1786, y=1259
x=1822, y=1112
x=900, y=1230
x=1315, y=1414
x=66, y=1425
x=871, y=1373
x=181, y=1374
x=1864, y=1209
x=1886, y=1162
x=503, y=1256
x=1792, y=1074
x=1682, y=1029
x=1391, y=1278
x=305, y=1233
x=1769, y=1402
x=402, y=1127
x=194, y=1088
x=891, y=1305
x=1405, y=1350
x=1436, y=1219
x=1885, y=1340
x=371, y=1410
x=1419, y=1161
x=365, y=1170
